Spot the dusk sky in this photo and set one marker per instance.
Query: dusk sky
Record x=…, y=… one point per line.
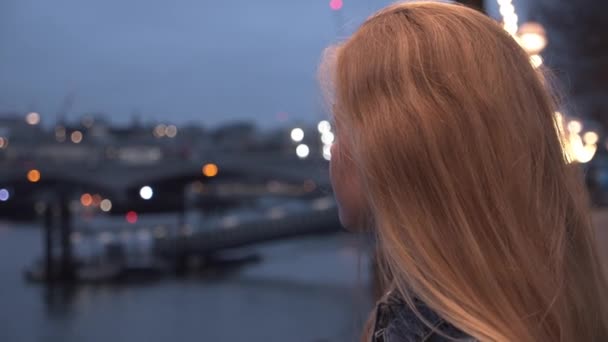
x=183, y=60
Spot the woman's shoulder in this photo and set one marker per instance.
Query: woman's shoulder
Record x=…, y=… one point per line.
x=397, y=322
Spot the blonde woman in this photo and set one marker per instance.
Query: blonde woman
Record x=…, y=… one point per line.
x=447, y=148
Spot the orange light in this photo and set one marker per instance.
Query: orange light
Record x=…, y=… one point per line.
x=86, y=200
x=210, y=170
x=33, y=176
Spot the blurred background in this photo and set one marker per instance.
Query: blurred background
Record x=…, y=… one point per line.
x=163, y=164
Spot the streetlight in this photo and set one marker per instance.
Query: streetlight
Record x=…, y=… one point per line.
x=324, y=126
x=532, y=37
x=146, y=192
x=302, y=151
x=297, y=134
x=32, y=118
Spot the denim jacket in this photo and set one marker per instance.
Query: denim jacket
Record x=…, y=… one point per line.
x=396, y=322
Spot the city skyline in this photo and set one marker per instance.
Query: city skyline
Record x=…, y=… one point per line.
x=209, y=62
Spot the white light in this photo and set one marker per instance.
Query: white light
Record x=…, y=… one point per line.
x=324, y=126
x=302, y=151
x=536, y=61
x=509, y=17
x=146, y=192
x=171, y=131
x=297, y=134
x=577, y=149
x=159, y=130
x=591, y=138
x=32, y=118
x=532, y=42
x=575, y=126
x=327, y=152
x=533, y=37
x=327, y=138
x=511, y=28
x=106, y=205
x=507, y=9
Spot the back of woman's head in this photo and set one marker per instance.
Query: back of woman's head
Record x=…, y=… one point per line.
x=452, y=135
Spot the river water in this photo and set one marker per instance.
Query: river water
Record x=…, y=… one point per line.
x=312, y=289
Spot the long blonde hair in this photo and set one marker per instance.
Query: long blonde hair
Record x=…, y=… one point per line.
x=476, y=210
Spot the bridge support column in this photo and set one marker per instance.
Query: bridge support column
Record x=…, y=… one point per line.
x=49, y=216
x=67, y=262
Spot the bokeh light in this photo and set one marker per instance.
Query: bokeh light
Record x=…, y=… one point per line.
x=297, y=134
x=76, y=137
x=86, y=199
x=106, y=205
x=210, y=170
x=327, y=138
x=146, y=192
x=33, y=176
x=536, y=61
x=159, y=130
x=32, y=118
x=327, y=152
x=575, y=126
x=336, y=5
x=302, y=151
x=3, y=142
x=4, y=195
x=171, y=131
x=509, y=17
x=532, y=37
x=131, y=217
x=591, y=138
x=324, y=126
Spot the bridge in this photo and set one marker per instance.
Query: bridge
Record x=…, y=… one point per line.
x=169, y=178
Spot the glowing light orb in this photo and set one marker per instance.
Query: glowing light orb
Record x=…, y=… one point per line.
x=33, y=176
x=4, y=195
x=131, y=217
x=302, y=151
x=336, y=5
x=210, y=170
x=297, y=134
x=146, y=192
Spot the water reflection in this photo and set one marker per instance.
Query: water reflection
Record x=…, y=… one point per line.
x=314, y=289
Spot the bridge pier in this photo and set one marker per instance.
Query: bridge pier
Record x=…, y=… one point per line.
x=49, y=217
x=67, y=262
x=57, y=213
